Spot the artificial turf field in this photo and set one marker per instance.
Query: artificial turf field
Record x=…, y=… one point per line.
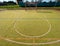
x=30, y=28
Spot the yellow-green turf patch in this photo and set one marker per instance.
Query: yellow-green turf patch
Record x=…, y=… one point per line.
x=31, y=23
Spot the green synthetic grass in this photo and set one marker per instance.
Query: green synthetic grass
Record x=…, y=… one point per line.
x=31, y=23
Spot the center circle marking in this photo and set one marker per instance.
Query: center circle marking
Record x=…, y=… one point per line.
x=33, y=36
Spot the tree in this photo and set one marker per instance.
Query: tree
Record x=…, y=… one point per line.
x=32, y=0
x=5, y=3
x=1, y=4
x=40, y=0
x=58, y=0
x=11, y=3
x=36, y=3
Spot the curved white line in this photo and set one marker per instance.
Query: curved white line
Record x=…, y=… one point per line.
x=52, y=42
x=32, y=43
x=33, y=36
